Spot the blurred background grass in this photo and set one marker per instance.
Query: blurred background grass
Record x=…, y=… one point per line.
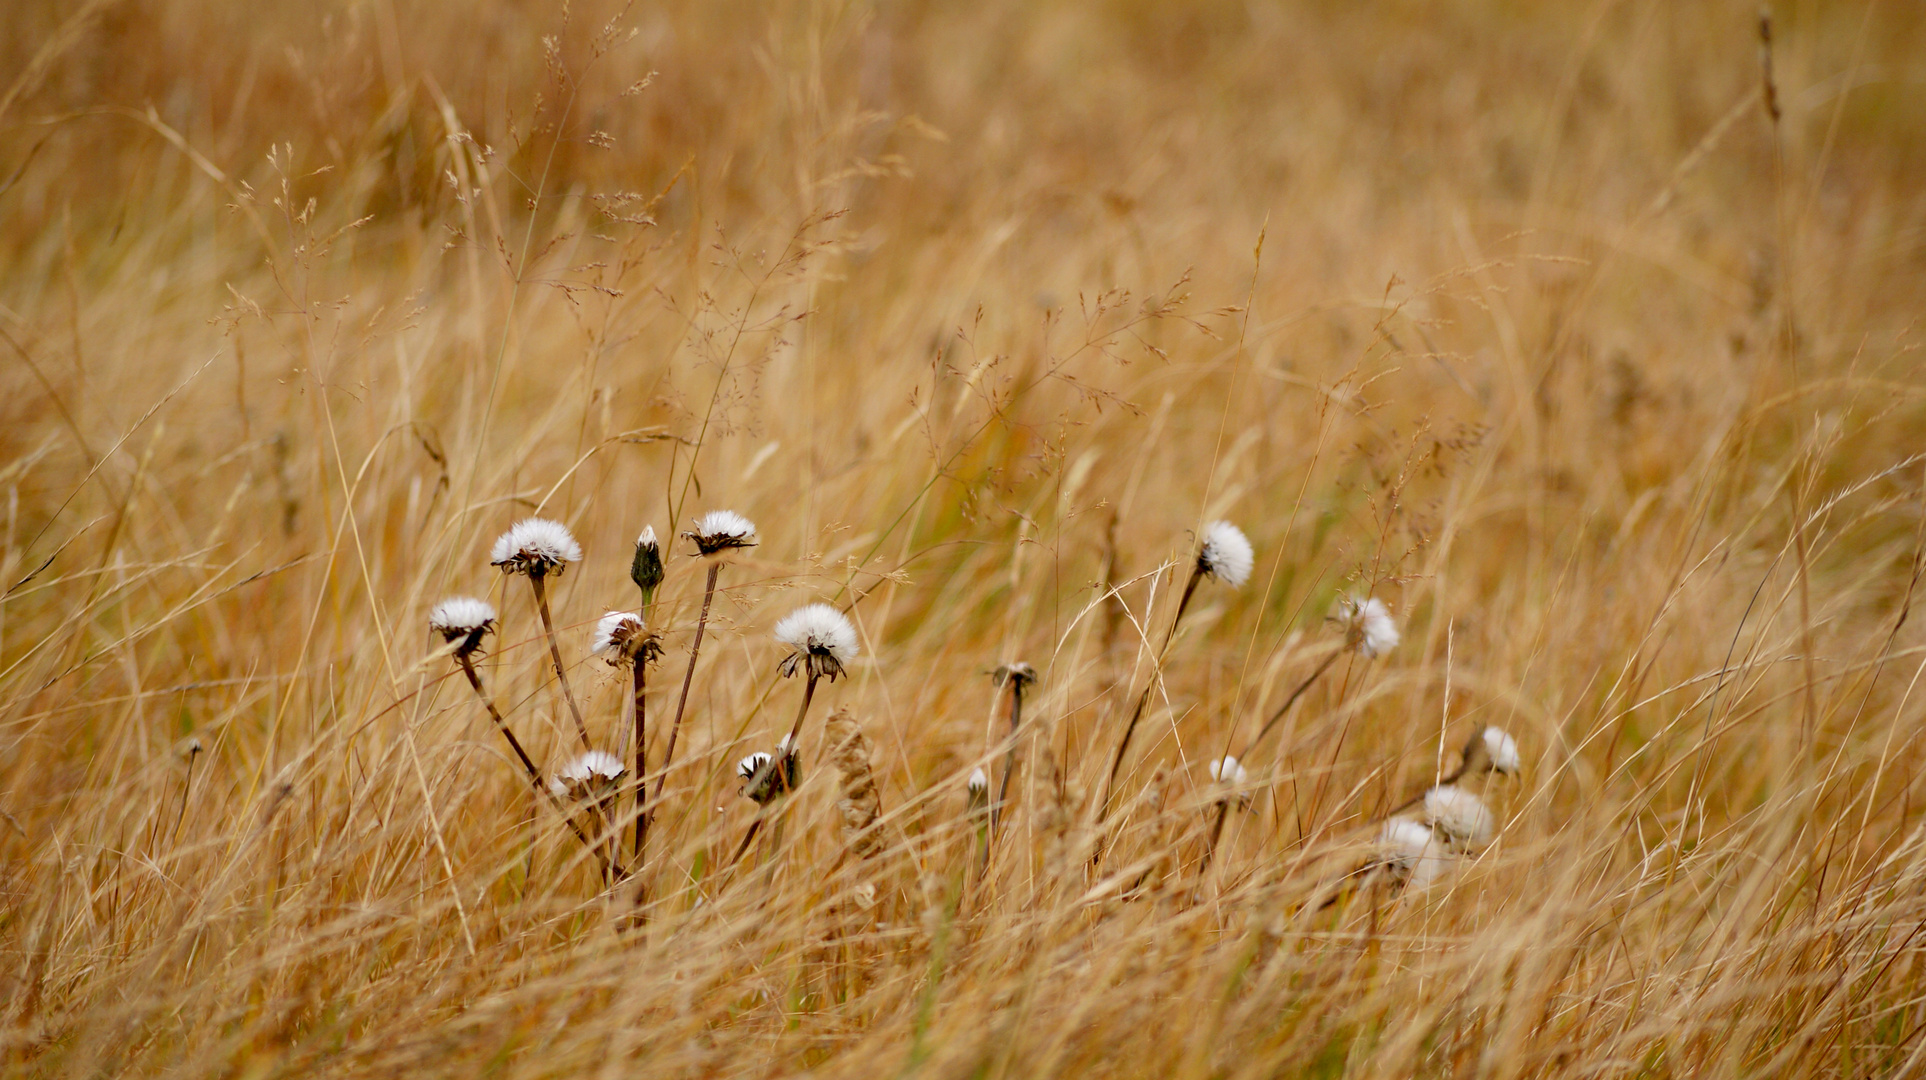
x=1526, y=317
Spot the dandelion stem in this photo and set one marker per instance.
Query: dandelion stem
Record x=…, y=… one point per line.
x=695, y=649
x=641, y=759
x=795, y=729
x=1216, y=831
x=528, y=764
x=1010, y=757
x=1290, y=701
x=1143, y=700
x=539, y=584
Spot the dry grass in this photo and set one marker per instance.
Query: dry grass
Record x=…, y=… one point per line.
x=1525, y=317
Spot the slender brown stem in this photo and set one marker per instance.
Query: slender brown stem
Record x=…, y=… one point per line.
x=539, y=582
x=1288, y=702
x=641, y=760
x=1216, y=831
x=795, y=730
x=746, y=838
x=1143, y=700
x=1009, y=758
x=534, y=774
x=695, y=650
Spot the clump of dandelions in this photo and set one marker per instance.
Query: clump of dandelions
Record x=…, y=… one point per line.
x=822, y=645
x=1223, y=553
x=462, y=621
x=541, y=549
x=623, y=639
x=1368, y=626
x=716, y=534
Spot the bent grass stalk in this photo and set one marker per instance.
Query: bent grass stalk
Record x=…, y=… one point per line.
x=1143, y=700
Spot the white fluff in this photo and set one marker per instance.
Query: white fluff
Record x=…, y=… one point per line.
x=979, y=783
x=595, y=769
x=1504, y=750
x=747, y=767
x=459, y=615
x=615, y=630
x=1367, y=624
x=1412, y=851
x=823, y=639
x=720, y=530
x=1226, y=554
x=1459, y=815
x=647, y=539
x=1226, y=770
x=535, y=542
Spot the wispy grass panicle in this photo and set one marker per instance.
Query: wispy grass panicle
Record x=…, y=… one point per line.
x=540, y=549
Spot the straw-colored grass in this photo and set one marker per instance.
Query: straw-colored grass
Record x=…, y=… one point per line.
x=1527, y=318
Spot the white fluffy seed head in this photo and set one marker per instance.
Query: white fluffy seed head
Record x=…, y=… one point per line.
x=647, y=539
x=1460, y=816
x=462, y=621
x=594, y=773
x=619, y=635
x=1413, y=852
x=535, y=546
x=821, y=639
x=1503, y=749
x=979, y=782
x=721, y=530
x=1226, y=553
x=1367, y=625
x=747, y=767
x=1227, y=770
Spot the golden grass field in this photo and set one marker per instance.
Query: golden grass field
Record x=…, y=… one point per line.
x=1578, y=334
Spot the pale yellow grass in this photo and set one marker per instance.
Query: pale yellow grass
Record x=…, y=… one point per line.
x=1524, y=317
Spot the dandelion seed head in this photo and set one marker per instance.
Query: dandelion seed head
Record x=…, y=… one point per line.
x=1503, y=749
x=764, y=777
x=1227, y=770
x=1226, y=554
x=721, y=530
x=749, y=766
x=594, y=773
x=1413, y=852
x=1459, y=816
x=535, y=546
x=979, y=782
x=463, y=620
x=620, y=636
x=822, y=640
x=1017, y=671
x=1368, y=626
